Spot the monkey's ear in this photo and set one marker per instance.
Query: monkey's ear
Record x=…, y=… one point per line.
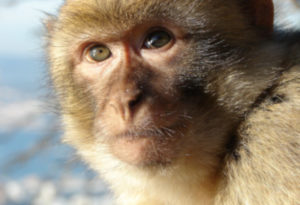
x=262, y=13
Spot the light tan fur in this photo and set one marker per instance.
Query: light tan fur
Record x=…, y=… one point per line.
x=267, y=171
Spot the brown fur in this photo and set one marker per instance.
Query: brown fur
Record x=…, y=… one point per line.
x=229, y=88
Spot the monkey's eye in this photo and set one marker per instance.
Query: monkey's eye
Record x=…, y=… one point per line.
x=98, y=53
x=157, y=39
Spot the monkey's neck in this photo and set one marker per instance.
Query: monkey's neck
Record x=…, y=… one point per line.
x=174, y=184
x=271, y=55
x=290, y=44
x=161, y=188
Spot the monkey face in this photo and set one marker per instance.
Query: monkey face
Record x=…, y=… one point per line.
x=131, y=80
x=144, y=111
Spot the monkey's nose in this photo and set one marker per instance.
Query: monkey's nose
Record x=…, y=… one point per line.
x=128, y=104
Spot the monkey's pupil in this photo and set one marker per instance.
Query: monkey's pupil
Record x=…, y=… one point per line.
x=99, y=53
x=157, y=39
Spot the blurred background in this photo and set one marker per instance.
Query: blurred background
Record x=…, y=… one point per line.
x=35, y=167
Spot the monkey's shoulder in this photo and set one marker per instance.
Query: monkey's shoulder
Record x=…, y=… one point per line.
x=267, y=156
x=282, y=104
x=279, y=114
x=272, y=130
x=286, y=91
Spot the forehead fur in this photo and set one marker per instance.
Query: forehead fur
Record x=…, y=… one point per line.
x=121, y=14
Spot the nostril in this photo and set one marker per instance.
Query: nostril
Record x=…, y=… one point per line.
x=133, y=103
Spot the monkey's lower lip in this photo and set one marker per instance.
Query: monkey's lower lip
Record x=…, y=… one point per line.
x=132, y=150
x=145, y=148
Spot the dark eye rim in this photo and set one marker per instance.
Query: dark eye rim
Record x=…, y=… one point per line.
x=156, y=29
x=88, y=48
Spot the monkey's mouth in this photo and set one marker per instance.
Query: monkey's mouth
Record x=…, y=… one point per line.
x=137, y=134
x=146, y=148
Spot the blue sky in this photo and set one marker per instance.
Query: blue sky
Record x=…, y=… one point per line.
x=20, y=26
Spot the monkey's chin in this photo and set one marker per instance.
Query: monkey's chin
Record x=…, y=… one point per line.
x=143, y=151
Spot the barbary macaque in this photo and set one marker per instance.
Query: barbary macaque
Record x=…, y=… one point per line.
x=181, y=102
